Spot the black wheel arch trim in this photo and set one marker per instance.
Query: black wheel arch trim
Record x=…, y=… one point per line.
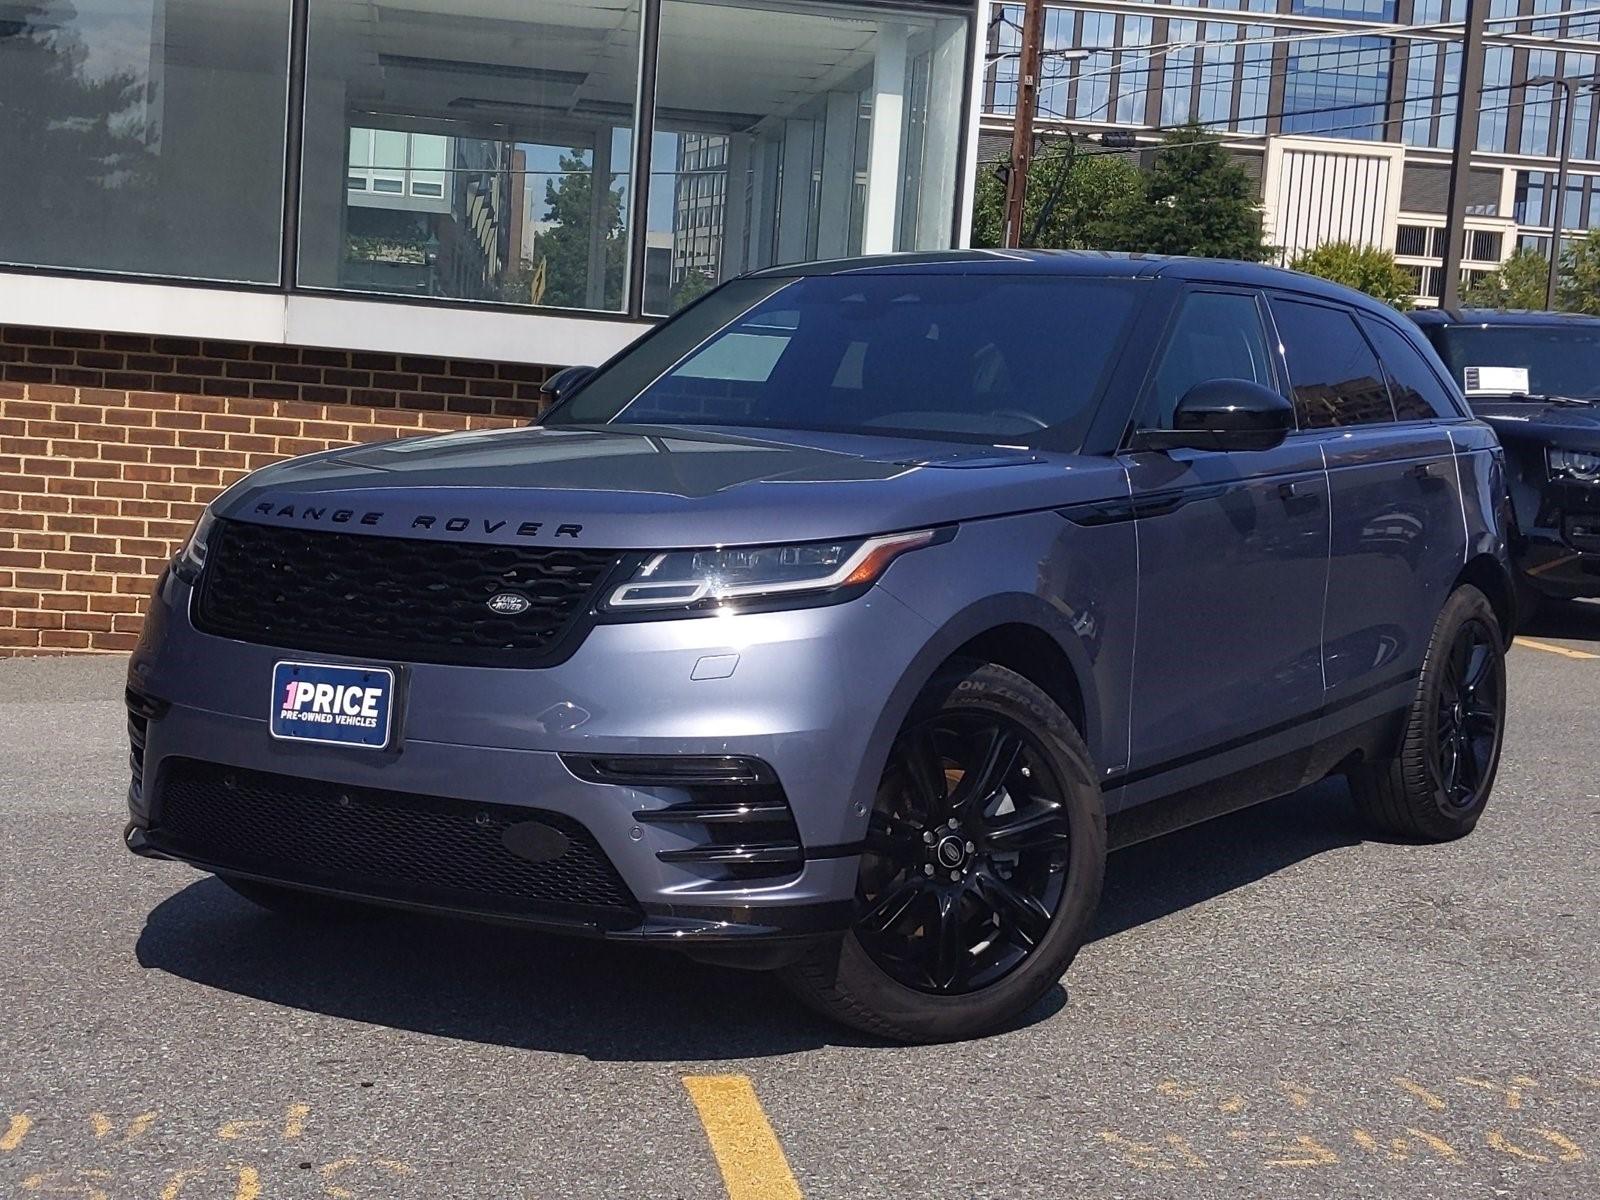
x=983, y=616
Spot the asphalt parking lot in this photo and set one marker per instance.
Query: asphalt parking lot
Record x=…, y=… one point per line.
x=1272, y=1007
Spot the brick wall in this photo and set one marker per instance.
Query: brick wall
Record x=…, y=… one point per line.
x=111, y=444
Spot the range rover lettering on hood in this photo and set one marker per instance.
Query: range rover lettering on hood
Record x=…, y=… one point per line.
x=432, y=522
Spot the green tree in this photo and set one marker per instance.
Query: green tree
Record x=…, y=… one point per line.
x=1075, y=201
x=564, y=246
x=1197, y=200
x=1366, y=268
x=1519, y=282
x=691, y=287
x=1579, y=288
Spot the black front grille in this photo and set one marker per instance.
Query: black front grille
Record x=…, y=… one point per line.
x=393, y=845
x=394, y=598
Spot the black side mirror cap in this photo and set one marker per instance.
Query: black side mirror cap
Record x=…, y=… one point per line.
x=562, y=384
x=1223, y=414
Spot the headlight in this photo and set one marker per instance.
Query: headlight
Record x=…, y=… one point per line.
x=707, y=578
x=1582, y=465
x=191, y=557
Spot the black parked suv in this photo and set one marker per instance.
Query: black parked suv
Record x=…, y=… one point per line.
x=1535, y=377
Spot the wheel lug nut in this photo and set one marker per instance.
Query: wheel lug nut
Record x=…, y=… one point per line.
x=970, y=847
x=955, y=876
x=928, y=837
x=928, y=870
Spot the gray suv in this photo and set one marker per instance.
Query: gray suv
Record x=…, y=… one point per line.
x=843, y=623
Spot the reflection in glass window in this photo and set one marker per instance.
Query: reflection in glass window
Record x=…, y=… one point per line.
x=1538, y=106
x=1337, y=86
x=784, y=135
x=1334, y=374
x=1496, y=85
x=143, y=135
x=1133, y=73
x=1177, y=82
x=1255, y=81
x=484, y=148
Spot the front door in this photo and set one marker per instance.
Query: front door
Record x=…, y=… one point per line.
x=1233, y=563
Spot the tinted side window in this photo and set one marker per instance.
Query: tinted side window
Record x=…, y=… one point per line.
x=1216, y=335
x=1335, y=376
x=1415, y=387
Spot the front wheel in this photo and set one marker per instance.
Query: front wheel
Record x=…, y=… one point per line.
x=1436, y=786
x=984, y=857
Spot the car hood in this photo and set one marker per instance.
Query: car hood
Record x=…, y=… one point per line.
x=1572, y=426
x=655, y=488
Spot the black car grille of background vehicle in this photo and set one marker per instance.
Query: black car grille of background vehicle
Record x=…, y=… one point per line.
x=394, y=598
x=374, y=842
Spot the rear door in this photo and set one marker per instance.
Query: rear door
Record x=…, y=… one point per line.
x=1233, y=559
x=1396, y=510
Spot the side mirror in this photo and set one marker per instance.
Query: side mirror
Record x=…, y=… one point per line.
x=562, y=384
x=1223, y=414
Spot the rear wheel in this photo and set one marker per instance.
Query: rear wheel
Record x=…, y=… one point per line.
x=1437, y=785
x=984, y=856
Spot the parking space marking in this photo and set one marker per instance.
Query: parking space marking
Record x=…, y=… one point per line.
x=1564, y=651
x=748, y=1152
x=16, y=1129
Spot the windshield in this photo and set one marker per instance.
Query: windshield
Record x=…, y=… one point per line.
x=980, y=358
x=1537, y=359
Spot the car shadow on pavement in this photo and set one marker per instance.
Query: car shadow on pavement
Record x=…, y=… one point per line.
x=611, y=1002
x=1154, y=879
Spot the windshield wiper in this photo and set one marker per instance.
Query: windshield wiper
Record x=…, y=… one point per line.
x=1552, y=398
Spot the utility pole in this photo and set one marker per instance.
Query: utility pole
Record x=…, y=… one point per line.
x=1022, y=132
x=1561, y=191
x=1467, y=100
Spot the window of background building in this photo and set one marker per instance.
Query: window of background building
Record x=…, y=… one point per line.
x=470, y=149
x=1337, y=86
x=835, y=130
x=1335, y=376
x=144, y=136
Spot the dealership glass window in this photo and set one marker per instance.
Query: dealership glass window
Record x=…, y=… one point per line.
x=836, y=132
x=144, y=136
x=470, y=149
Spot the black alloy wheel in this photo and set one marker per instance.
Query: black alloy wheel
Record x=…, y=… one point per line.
x=967, y=852
x=1436, y=783
x=1467, y=721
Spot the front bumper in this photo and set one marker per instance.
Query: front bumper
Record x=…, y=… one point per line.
x=800, y=691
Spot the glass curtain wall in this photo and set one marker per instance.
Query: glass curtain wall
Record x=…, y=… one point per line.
x=786, y=132
x=144, y=136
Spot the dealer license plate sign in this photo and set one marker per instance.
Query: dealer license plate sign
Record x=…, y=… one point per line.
x=338, y=705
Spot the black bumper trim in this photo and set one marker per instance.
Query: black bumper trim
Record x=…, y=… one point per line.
x=663, y=924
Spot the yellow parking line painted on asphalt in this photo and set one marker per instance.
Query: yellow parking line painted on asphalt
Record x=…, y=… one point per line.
x=748, y=1152
x=1548, y=648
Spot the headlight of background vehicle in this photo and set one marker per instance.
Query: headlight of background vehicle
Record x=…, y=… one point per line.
x=691, y=579
x=191, y=557
x=1582, y=465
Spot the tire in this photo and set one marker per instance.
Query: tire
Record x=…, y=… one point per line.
x=972, y=946
x=296, y=905
x=1416, y=794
